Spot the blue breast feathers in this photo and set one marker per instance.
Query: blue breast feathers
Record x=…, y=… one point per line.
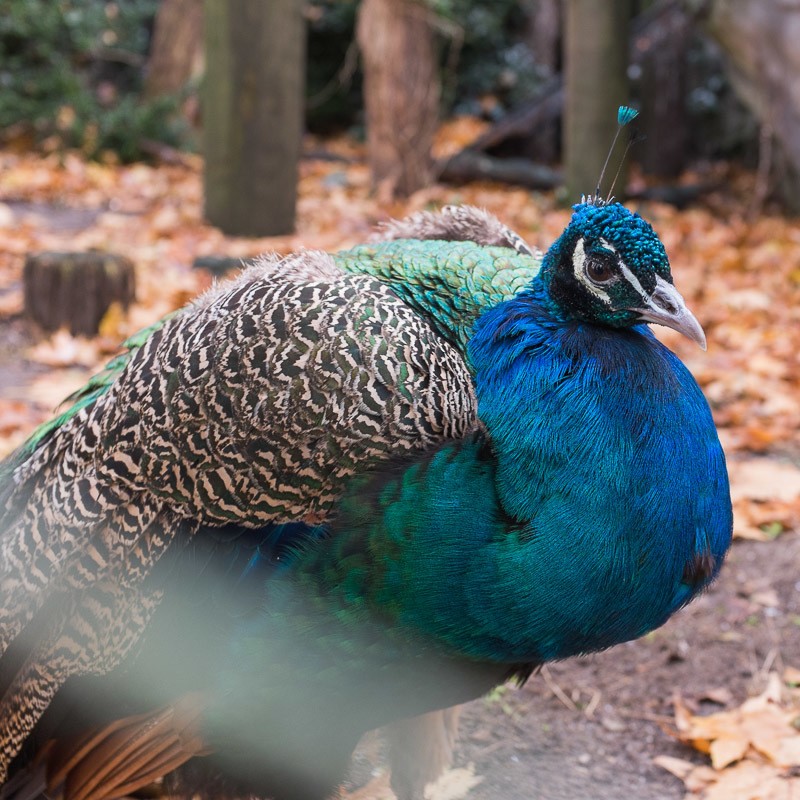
x=612, y=463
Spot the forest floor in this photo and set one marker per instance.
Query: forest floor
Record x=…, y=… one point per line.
x=587, y=728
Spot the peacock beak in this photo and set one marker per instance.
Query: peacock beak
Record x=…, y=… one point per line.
x=666, y=306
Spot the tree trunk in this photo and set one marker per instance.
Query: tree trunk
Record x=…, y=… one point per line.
x=596, y=60
x=75, y=290
x=176, y=53
x=760, y=41
x=544, y=21
x=661, y=51
x=401, y=93
x=545, y=25
x=253, y=114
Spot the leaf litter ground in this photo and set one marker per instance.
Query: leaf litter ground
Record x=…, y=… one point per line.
x=597, y=727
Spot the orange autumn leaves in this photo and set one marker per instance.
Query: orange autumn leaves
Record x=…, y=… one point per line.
x=754, y=750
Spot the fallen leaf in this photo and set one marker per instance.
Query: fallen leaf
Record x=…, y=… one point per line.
x=678, y=767
x=721, y=695
x=754, y=749
x=14, y=415
x=727, y=748
x=764, y=479
x=768, y=598
x=50, y=391
x=764, y=520
x=752, y=781
x=377, y=789
x=64, y=350
x=453, y=784
x=10, y=304
x=791, y=676
x=7, y=217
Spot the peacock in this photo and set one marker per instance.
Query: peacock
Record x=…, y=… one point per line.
x=347, y=489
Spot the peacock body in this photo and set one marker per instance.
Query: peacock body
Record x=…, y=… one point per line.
x=349, y=489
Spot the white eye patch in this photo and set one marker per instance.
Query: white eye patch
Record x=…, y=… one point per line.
x=626, y=273
x=579, y=270
x=634, y=281
x=608, y=246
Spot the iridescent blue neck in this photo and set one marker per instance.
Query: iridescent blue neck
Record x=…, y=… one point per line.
x=604, y=445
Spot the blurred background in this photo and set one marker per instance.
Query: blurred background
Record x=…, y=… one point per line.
x=529, y=83
x=147, y=147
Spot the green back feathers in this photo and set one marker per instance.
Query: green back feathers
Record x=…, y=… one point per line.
x=451, y=283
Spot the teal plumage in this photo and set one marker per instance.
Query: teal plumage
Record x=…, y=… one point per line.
x=470, y=459
x=625, y=115
x=450, y=283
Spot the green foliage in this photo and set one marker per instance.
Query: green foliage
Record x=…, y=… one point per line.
x=70, y=71
x=494, y=59
x=333, y=79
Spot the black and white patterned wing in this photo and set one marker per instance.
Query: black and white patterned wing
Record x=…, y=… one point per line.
x=254, y=406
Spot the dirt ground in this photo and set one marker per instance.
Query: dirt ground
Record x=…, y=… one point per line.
x=534, y=747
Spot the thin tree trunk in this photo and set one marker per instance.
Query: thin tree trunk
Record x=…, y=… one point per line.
x=401, y=93
x=544, y=35
x=596, y=60
x=661, y=51
x=253, y=113
x=176, y=53
x=544, y=19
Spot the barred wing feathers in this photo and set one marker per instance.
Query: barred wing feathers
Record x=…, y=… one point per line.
x=252, y=407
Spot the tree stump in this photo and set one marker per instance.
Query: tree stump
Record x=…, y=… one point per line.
x=74, y=290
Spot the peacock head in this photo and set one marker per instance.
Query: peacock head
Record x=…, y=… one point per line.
x=610, y=268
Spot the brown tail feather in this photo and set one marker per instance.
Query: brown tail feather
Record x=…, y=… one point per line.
x=128, y=754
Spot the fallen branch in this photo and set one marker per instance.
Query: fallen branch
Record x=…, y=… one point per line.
x=679, y=196
x=545, y=107
x=472, y=166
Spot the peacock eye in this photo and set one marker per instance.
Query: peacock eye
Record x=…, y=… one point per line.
x=599, y=270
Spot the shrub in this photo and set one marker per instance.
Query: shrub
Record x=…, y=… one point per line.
x=70, y=73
